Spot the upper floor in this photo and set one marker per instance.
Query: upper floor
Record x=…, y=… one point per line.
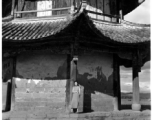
x=106, y=10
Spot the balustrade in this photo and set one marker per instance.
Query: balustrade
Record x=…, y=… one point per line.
x=96, y=9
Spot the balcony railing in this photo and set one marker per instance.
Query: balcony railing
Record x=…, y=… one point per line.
x=51, y=8
x=101, y=16
x=54, y=12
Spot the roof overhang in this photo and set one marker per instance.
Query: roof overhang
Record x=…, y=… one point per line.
x=80, y=29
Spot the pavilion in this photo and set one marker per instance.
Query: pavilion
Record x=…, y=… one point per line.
x=76, y=34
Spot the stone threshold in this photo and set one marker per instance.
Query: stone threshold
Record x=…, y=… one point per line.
x=39, y=115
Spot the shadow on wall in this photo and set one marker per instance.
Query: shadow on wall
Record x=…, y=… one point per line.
x=55, y=67
x=99, y=84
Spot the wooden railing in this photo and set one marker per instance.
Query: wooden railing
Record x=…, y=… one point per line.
x=20, y=13
x=102, y=16
x=35, y=11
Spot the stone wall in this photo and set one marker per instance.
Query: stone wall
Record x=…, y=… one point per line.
x=49, y=95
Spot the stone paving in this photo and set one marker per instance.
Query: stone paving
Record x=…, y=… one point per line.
x=39, y=115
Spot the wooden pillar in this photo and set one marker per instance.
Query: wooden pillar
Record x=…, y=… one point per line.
x=72, y=76
x=84, y=5
x=70, y=82
x=81, y=100
x=116, y=83
x=67, y=100
x=13, y=84
x=121, y=14
x=13, y=6
x=136, y=92
x=73, y=6
x=121, y=10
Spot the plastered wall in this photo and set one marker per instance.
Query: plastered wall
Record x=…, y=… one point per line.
x=43, y=80
x=95, y=73
x=42, y=65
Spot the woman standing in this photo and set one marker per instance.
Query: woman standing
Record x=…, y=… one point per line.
x=75, y=97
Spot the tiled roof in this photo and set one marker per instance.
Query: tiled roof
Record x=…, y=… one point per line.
x=32, y=29
x=124, y=32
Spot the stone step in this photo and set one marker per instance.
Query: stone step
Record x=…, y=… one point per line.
x=46, y=115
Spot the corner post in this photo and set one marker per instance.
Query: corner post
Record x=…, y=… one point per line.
x=116, y=84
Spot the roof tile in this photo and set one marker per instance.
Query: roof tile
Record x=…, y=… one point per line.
x=124, y=32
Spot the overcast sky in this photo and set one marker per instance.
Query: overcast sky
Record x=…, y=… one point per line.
x=140, y=15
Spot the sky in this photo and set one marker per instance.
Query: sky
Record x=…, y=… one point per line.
x=140, y=15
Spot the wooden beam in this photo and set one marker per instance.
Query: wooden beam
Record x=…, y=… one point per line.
x=116, y=83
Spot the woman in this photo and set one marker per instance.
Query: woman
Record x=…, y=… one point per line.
x=75, y=97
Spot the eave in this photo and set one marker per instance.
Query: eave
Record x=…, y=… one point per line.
x=79, y=28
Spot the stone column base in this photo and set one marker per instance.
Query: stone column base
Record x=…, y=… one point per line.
x=136, y=107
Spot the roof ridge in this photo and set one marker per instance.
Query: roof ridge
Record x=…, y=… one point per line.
x=134, y=24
